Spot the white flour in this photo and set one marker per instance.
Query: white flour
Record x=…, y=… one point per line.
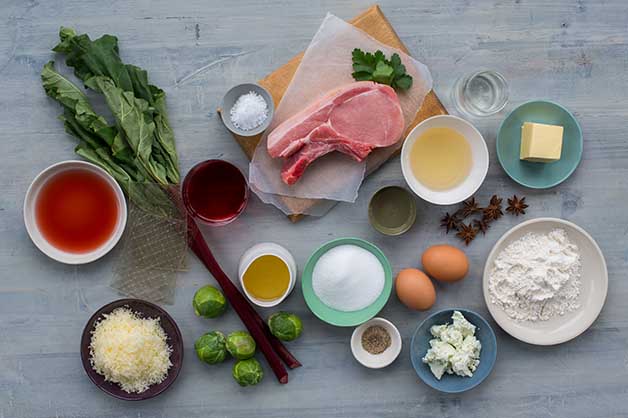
x=537, y=277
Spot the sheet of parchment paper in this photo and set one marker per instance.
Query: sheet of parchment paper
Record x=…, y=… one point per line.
x=327, y=65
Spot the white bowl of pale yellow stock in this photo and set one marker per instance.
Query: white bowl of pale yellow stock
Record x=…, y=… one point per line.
x=478, y=166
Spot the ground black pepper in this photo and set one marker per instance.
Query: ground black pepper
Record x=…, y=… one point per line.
x=376, y=339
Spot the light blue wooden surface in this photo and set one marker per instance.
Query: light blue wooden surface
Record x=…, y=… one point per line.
x=573, y=52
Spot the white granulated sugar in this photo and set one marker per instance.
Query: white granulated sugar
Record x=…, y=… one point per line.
x=537, y=277
x=348, y=278
x=249, y=111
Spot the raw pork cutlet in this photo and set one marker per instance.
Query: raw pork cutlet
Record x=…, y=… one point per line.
x=353, y=119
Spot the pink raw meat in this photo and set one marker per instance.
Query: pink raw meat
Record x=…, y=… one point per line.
x=354, y=120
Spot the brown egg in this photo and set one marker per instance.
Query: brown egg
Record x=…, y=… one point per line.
x=445, y=263
x=415, y=289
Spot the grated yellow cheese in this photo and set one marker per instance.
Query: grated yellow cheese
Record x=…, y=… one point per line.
x=130, y=351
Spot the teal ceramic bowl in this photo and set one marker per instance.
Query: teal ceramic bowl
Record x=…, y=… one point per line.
x=450, y=383
x=341, y=318
x=539, y=175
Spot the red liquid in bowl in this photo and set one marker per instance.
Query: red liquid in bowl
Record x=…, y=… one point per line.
x=215, y=192
x=76, y=211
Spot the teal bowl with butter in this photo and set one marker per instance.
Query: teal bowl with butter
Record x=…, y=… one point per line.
x=539, y=175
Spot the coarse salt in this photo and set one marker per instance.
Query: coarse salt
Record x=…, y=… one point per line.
x=348, y=278
x=249, y=111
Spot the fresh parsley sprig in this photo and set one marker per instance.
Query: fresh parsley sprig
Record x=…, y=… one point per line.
x=375, y=67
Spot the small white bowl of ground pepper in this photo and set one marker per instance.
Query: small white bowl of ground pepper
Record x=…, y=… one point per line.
x=376, y=343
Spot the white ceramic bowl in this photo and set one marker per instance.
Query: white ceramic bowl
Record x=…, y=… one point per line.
x=267, y=248
x=479, y=156
x=35, y=234
x=376, y=361
x=233, y=95
x=593, y=287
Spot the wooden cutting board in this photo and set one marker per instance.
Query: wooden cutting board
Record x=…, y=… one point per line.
x=373, y=22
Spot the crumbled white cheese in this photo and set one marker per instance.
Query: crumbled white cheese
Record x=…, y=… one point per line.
x=455, y=350
x=130, y=351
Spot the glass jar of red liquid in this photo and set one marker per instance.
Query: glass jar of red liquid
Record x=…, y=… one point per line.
x=215, y=192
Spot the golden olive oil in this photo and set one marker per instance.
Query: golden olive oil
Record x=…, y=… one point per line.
x=440, y=158
x=267, y=278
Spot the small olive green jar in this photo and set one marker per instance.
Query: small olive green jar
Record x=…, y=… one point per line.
x=392, y=210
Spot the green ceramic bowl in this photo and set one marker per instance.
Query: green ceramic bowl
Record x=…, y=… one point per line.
x=333, y=316
x=539, y=175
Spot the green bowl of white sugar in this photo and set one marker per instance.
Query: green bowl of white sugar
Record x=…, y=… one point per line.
x=346, y=282
x=247, y=109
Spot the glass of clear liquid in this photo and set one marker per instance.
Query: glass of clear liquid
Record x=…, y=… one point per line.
x=482, y=93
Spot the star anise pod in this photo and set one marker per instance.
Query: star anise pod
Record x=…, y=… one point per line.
x=449, y=222
x=517, y=206
x=466, y=232
x=496, y=201
x=494, y=210
x=470, y=207
x=481, y=225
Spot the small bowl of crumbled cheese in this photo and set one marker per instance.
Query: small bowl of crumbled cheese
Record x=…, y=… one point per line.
x=453, y=350
x=247, y=109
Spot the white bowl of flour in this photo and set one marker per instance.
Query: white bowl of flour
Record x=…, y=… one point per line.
x=545, y=281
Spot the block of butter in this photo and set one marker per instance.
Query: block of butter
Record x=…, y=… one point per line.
x=541, y=143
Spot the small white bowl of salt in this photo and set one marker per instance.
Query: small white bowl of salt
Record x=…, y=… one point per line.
x=247, y=109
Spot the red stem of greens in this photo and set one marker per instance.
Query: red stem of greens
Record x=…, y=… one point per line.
x=249, y=317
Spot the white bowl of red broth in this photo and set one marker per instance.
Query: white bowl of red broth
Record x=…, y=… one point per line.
x=444, y=160
x=74, y=212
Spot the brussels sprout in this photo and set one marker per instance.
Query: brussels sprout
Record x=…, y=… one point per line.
x=211, y=347
x=209, y=302
x=285, y=326
x=248, y=372
x=240, y=345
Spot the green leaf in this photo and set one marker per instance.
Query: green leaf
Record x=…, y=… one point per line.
x=164, y=133
x=358, y=56
x=60, y=88
x=140, y=147
x=358, y=68
x=134, y=116
x=383, y=73
x=403, y=83
x=375, y=67
x=395, y=60
x=131, y=114
x=362, y=76
x=74, y=100
x=379, y=56
x=139, y=81
x=65, y=36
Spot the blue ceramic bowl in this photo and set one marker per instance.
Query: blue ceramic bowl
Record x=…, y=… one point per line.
x=539, y=175
x=452, y=383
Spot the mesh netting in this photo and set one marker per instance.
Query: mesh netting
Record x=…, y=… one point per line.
x=153, y=250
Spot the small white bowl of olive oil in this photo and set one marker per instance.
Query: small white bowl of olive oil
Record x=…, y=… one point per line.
x=267, y=273
x=444, y=160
